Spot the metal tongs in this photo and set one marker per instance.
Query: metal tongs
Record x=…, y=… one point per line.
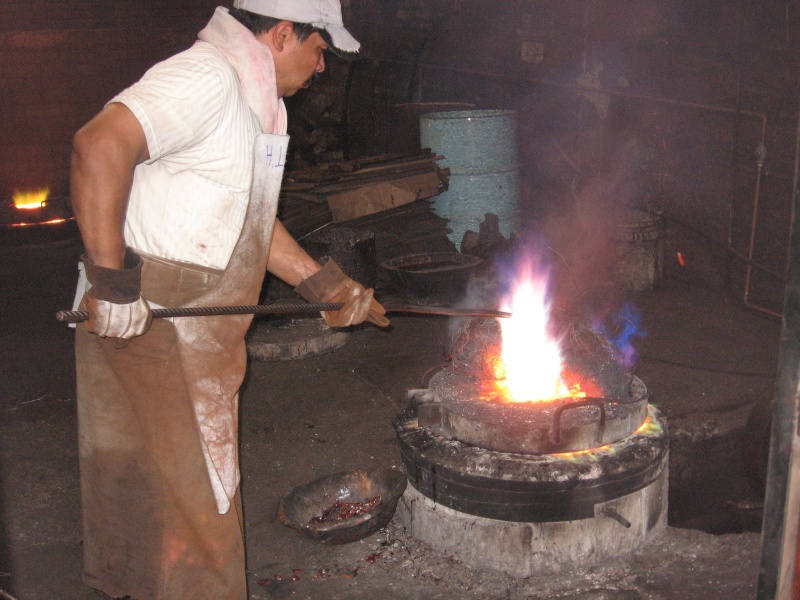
x=78, y=316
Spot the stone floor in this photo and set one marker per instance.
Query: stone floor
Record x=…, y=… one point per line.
x=707, y=360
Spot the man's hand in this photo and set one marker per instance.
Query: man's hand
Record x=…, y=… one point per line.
x=330, y=284
x=114, y=302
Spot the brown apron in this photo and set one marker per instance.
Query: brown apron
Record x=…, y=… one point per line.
x=158, y=425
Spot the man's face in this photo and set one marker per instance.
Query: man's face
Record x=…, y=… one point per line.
x=298, y=62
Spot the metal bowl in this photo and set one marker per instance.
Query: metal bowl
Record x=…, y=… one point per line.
x=310, y=500
x=432, y=279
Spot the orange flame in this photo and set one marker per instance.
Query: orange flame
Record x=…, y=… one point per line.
x=30, y=200
x=530, y=367
x=50, y=222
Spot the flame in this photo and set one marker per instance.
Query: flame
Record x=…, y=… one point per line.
x=30, y=200
x=530, y=367
x=590, y=452
x=648, y=427
x=621, y=329
x=50, y=222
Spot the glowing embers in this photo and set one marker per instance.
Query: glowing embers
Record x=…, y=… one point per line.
x=35, y=208
x=34, y=217
x=30, y=200
x=567, y=385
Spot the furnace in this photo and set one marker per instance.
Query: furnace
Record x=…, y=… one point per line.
x=36, y=218
x=519, y=482
x=519, y=511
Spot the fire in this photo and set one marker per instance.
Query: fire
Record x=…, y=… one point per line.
x=50, y=222
x=30, y=200
x=530, y=367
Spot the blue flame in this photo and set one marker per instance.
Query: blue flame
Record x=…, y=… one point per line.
x=621, y=329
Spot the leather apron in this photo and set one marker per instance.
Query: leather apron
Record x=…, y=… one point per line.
x=158, y=424
x=212, y=349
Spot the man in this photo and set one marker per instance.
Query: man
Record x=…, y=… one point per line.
x=174, y=187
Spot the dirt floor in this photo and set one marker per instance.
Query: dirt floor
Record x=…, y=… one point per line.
x=707, y=360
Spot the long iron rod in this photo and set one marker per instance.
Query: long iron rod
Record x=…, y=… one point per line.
x=77, y=316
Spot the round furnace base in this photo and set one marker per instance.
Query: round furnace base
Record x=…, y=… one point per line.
x=618, y=525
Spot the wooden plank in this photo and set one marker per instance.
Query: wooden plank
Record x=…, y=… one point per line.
x=377, y=197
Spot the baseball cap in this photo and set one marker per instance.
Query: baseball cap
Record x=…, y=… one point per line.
x=325, y=15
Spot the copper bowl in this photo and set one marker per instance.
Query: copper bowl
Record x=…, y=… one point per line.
x=432, y=279
x=298, y=509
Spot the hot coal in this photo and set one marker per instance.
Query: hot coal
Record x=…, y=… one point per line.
x=588, y=355
x=341, y=511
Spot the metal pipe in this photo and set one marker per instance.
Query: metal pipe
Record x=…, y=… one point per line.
x=779, y=534
x=761, y=152
x=78, y=316
x=795, y=183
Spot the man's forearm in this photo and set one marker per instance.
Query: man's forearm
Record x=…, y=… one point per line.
x=287, y=260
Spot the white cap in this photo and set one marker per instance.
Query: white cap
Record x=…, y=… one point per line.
x=322, y=14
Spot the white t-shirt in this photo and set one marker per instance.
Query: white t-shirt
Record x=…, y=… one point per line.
x=189, y=198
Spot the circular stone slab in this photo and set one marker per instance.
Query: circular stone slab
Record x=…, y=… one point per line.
x=291, y=339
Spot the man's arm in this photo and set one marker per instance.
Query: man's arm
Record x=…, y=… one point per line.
x=104, y=154
x=316, y=283
x=287, y=260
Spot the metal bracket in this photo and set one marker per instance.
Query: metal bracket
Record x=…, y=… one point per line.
x=600, y=404
x=428, y=407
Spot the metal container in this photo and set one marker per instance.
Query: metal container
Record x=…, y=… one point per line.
x=480, y=149
x=298, y=509
x=432, y=279
x=403, y=126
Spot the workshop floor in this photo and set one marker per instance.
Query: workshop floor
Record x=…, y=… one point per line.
x=707, y=360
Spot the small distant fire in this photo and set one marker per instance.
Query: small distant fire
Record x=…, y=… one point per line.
x=34, y=209
x=530, y=366
x=31, y=200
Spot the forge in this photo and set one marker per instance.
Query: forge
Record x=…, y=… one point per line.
x=526, y=486
x=36, y=218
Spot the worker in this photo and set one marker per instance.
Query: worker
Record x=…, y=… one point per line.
x=175, y=185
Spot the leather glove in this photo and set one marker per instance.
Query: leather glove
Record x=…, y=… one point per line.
x=114, y=302
x=330, y=284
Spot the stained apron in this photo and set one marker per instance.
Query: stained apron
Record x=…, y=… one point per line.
x=158, y=424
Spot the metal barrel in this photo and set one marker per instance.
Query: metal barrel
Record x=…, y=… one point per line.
x=480, y=149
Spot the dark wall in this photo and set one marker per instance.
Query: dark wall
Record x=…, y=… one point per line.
x=662, y=104
x=657, y=104
x=61, y=61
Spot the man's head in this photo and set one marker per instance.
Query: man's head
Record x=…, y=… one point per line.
x=325, y=16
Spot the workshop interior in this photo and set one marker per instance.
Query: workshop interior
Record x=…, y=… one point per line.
x=581, y=219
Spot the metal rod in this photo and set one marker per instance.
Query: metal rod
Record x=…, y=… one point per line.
x=78, y=316
x=779, y=532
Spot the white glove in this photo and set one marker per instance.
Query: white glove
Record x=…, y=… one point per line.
x=108, y=319
x=114, y=302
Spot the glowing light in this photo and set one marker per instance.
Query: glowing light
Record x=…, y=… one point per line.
x=589, y=452
x=50, y=222
x=530, y=366
x=649, y=427
x=30, y=200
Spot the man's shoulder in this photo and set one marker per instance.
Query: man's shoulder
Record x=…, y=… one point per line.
x=201, y=63
x=200, y=56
